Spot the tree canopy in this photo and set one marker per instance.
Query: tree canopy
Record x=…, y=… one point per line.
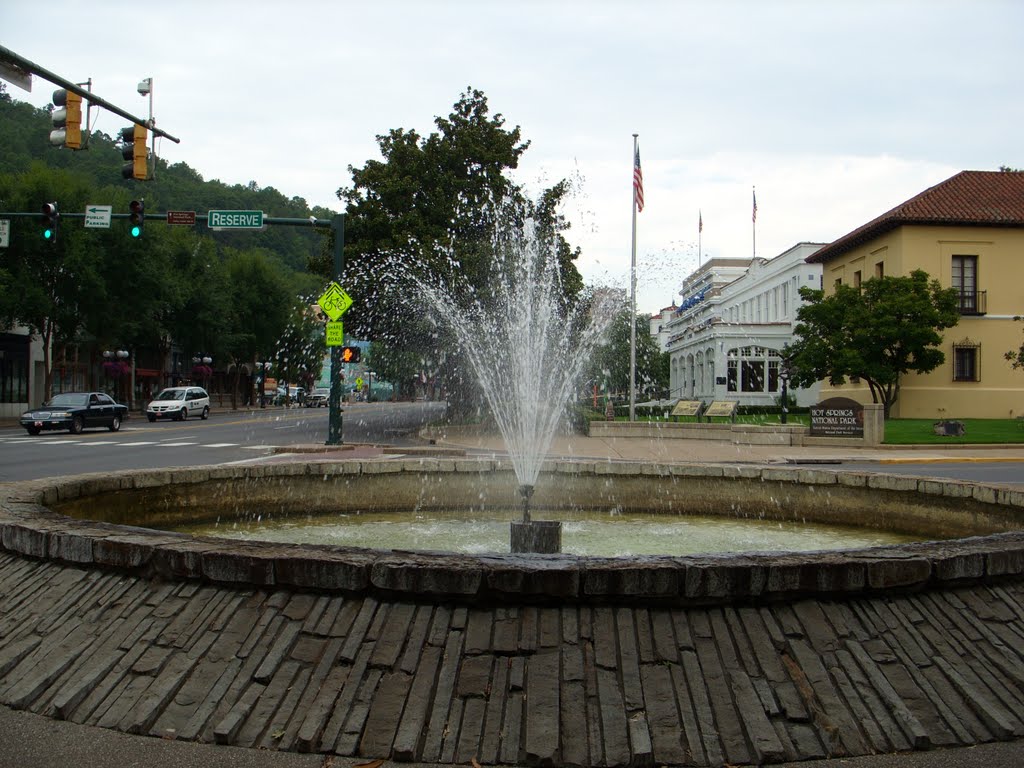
x=609, y=368
x=887, y=327
x=430, y=208
x=101, y=288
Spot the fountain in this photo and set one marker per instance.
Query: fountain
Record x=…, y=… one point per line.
x=527, y=346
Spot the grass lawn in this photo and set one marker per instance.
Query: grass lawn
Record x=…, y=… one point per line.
x=919, y=431
x=902, y=431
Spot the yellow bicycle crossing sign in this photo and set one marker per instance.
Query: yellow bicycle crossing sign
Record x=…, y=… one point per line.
x=334, y=302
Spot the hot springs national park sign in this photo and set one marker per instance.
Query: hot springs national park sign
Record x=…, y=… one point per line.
x=837, y=417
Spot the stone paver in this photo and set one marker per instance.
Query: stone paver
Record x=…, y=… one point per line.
x=580, y=684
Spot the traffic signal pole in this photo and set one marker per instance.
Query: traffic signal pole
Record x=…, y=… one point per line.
x=10, y=57
x=334, y=402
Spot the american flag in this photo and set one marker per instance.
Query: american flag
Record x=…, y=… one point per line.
x=753, y=216
x=638, y=182
x=700, y=222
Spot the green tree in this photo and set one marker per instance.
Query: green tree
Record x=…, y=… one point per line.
x=887, y=327
x=300, y=349
x=609, y=369
x=430, y=208
x=259, y=312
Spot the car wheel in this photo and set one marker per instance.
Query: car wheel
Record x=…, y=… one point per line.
x=115, y=424
x=32, y=430
x=183, y=414
x=151, y=417
x=77, y=425
x=206, y=413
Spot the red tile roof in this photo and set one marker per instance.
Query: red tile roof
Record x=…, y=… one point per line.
x=971, y=198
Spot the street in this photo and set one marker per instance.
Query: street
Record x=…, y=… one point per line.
x=228, y=436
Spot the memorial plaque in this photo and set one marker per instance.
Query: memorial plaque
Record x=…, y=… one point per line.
x=837, y=417
x=722, y=408
x=687, y=408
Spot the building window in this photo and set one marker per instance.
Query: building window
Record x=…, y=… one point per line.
x=965, y=281
x=856, y=279
x=880, y=269
x=966, y=361
x=733, y=375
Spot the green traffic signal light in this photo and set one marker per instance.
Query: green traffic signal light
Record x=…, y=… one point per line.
x=137, y=216
x=52, y=216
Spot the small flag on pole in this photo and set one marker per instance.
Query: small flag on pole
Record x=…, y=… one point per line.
x=753, y=216
x=638, y=182
x=700, y=222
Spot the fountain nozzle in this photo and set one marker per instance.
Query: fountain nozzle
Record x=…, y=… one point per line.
x=526, y=491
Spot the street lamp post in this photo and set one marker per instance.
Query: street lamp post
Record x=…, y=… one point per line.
x=261, y=369
x=784, y=376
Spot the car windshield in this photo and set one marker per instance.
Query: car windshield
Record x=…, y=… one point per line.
x=68, y=399
x=171, y=394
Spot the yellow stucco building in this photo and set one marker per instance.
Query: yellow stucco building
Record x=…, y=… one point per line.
x=968, y=233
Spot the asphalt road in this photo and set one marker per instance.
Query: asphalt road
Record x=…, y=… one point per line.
x=228, y=436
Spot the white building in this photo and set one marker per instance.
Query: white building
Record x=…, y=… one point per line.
x=725, y=340
x=659, y=325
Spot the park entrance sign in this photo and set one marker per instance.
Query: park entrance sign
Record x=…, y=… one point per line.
x=837, y=417
x=235, y=219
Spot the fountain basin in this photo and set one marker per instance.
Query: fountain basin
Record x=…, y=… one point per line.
x=60, y=519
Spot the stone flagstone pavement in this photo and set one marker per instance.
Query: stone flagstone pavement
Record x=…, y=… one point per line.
x=611, y=685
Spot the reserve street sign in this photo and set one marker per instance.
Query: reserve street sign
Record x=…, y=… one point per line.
x=334, y=302
x=98, y=216
x=234, y=219
x=335, y=334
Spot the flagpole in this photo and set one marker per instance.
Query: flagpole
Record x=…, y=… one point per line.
x=632, y=296
x=700, y=232
x=753, y=219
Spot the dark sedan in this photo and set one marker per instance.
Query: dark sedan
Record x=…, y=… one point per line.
x=75, y=411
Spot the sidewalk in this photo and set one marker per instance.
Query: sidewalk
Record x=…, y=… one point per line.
x=635, y=449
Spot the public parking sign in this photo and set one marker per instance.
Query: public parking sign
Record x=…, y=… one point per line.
x=98, y=216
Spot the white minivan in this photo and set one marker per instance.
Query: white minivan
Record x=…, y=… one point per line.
x=179, y=403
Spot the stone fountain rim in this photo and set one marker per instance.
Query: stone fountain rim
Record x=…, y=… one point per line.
x=29, y=528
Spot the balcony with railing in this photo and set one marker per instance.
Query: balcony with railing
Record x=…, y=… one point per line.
x=973, y=303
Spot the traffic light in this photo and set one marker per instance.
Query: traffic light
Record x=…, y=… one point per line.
x=137, y=216
x=350, y=354
x=134, y=148
x=67, y=121
x=52, y=217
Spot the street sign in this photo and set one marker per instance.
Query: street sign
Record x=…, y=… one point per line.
x=359, y=383
x=235, y=219
x=184, y=218
x=335, y=334
x=97, y=216
x=335, y=302
x=5, y=233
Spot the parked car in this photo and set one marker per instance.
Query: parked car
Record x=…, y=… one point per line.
x=319, y=397
x=75, y=411
x=292, y=395
x=179, y=403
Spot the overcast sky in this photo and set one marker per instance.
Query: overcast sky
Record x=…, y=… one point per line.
x=835, y=111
